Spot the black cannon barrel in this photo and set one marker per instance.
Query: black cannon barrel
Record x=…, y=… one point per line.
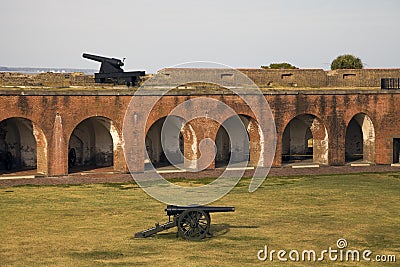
x=112, y=61
x=175, y=210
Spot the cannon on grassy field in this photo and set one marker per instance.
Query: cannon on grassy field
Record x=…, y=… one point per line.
x=193, y=222
x=111, y=71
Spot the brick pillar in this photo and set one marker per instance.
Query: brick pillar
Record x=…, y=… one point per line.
x=369, y=138
x=58, y=158
x=119, y=159
x=134, y=139
x=337, y=137
x=270, y=151
x=203, y=150
x=119, y=163
x=41, y=150
x=280, y=122
x=384, y=153
x=320, y=142
x=256, y=147
x=190, y=146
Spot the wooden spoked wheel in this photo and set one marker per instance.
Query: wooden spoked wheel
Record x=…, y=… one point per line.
x=193, y=224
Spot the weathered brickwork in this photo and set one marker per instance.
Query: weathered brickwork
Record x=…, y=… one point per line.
x=55, y=115
x=319, y=77
x=46, y=79
x=264, y=78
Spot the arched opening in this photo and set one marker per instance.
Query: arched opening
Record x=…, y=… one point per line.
x=165, y=142
x=360, y=139
x=240, y=144
x=92, y=145
x=396, y=150
x=223, y=145
x=305, y=139
x=23, y=146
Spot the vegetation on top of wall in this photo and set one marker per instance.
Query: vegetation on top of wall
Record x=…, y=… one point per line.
x=346, y=62
x=283, y=65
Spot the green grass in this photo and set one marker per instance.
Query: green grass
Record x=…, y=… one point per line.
x=93, y=225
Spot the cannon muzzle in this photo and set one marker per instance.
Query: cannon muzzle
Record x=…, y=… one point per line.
x=113, y=61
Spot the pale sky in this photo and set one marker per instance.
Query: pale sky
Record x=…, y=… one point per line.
x=157, y=34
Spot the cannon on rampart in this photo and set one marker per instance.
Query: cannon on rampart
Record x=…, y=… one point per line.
x=111, y=71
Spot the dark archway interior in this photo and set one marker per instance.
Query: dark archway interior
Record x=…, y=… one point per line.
x=172, y=151
x=305, y=140
x=232, y=141
x=18, y=148
x=297, y=141
x=223, y=145
x=91, y=145
x=354, y=141
x=396, y=150
x=360, y=139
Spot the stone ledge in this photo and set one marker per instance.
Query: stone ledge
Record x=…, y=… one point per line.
x=305, y=166
x=106, y=91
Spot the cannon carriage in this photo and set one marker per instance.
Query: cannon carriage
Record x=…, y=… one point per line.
x=193, y=222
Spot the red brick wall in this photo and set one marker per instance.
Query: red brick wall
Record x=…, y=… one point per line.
x=334, y=110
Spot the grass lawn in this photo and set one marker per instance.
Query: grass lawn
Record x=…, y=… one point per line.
x=93, y=225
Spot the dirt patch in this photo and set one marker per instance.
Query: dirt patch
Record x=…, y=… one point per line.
x=95, y=178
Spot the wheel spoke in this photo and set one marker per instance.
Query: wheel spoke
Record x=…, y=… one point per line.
x=193, y=224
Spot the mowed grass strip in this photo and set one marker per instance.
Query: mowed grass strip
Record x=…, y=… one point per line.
x=93, y=225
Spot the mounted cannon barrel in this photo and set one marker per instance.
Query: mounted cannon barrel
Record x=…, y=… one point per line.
x=108, y=65
x=111, y=71
x=193, y=222
x=176, y=210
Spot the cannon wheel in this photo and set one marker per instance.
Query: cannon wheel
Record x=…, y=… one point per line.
x=193, y=224
x=72, y=157
x=8, y=161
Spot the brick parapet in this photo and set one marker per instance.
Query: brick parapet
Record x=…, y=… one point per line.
x=263, y=78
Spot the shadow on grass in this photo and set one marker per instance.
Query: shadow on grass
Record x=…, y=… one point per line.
x=219, y=229
x=98, y=255
x=121, y=186
x=216, y=230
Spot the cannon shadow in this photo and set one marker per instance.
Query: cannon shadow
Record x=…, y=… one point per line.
x=216, y=230
x=224, y=228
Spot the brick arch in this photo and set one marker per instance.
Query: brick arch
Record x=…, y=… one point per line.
x=73, y=124
x=371, y=116
x=163, y=108
x=202, y=127
x=155, y=148
x=118, y=161
x=367, y=128
x=319, y=134
x=41, y=149
x=254, y=135
x=190, y=139
x=160, y=110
